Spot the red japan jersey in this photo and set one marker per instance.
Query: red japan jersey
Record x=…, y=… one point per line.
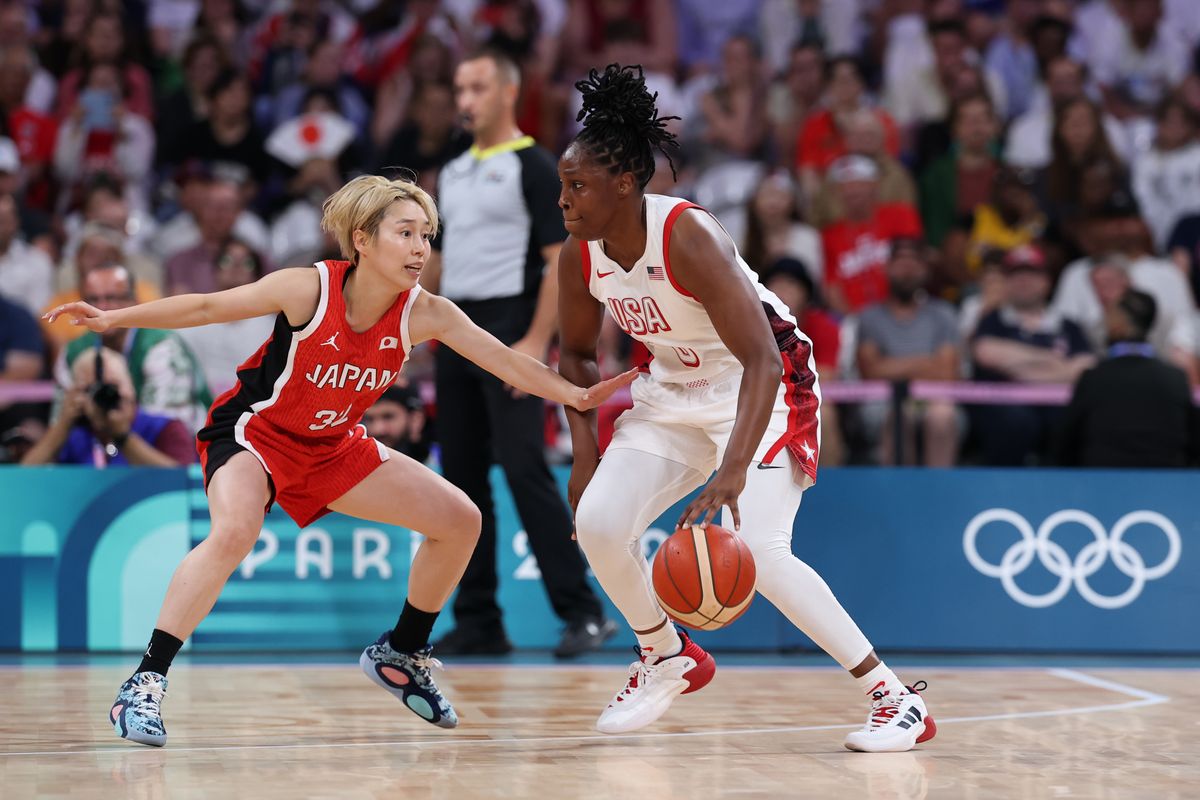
x=306, y=388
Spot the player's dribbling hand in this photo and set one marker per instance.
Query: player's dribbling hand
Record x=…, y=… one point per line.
x=593, y=396
x=81, y=313
x=723, y=490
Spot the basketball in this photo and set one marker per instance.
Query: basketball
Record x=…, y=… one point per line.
x=704, y=577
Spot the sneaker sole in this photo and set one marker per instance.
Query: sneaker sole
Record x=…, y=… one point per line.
x=134, y=736
x=630, y=725
x=693, y=680
x=922, y=732
x=368, y=667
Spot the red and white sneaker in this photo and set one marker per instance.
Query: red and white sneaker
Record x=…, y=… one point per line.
x=653, y=684
x=896, y=723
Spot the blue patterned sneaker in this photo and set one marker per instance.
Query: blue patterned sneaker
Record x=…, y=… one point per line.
x=406, y=675
x=137, y=713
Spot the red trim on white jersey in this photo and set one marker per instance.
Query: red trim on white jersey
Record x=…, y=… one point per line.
x=667, y=227
x=586, y=252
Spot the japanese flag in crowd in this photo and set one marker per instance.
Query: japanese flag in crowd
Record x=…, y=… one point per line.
x=317, y=135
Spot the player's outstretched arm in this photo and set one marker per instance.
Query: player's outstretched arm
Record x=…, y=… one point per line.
x=293, y=291
x=436, y=317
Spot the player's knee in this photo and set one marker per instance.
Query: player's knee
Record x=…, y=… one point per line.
x=772, y=560
x=462, y=523
x=471, y=522
x=593, y=523
x=234, y=539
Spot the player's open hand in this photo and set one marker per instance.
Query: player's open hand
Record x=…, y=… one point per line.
x=81, y=313
x=723, y=490
x=589, y=398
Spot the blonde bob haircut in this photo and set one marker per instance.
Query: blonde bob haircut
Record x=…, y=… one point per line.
x=362, y=204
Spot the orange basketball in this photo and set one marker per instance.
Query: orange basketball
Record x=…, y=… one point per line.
x=704, y=577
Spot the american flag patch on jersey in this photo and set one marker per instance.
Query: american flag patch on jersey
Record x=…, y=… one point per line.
x=656, y=273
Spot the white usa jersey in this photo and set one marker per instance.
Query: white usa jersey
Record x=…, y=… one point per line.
x=651, y=306
x=692, y=377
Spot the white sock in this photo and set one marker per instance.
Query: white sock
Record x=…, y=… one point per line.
x=881, y=679
x=663, y=643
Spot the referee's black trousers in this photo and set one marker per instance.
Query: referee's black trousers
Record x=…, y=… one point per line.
x=479, y=422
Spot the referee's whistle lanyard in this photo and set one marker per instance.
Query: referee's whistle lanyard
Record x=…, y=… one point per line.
x=1143, y=349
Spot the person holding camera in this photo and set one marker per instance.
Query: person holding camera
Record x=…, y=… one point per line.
x=100, y=423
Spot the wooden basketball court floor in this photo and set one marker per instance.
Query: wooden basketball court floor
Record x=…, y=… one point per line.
x=323, y=731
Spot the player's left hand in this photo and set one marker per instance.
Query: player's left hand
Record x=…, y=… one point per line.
x=723, y=490
x=80, y=313
x=593, y=396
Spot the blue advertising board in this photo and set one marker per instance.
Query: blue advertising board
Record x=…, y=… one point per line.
x=960, y=560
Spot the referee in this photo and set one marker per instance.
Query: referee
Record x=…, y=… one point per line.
x=501, y=227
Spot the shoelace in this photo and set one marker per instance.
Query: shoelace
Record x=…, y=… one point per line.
x=886, y=706
x=151, y=693
x=639, y=673
x=424, y=662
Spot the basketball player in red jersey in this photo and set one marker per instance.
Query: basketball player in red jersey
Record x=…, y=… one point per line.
x=288, y=432
x=731, y=387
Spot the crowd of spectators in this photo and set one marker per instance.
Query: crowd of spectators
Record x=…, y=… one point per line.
x=941, y=189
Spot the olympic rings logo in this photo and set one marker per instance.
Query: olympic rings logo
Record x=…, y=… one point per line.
x=1089, y=560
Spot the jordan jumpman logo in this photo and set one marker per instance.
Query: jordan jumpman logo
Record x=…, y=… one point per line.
x=332, y=342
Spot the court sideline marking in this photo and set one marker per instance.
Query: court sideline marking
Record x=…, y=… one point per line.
x=1141, y=699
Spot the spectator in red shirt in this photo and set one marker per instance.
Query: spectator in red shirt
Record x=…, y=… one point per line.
x=34, y=134
x=856, y=247
x=822, y=139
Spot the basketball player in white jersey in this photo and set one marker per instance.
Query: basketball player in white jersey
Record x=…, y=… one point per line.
x=731, y=387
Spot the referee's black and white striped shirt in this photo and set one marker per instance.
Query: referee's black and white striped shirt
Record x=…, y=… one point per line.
x=499, y=208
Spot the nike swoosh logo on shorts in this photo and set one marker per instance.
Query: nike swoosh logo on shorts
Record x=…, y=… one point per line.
x=761, y=465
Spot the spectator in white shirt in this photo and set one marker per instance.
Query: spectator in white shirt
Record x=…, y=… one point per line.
x=100, y=134
x=1139, y=62
x=1119, y=243
x=221, y=349
x=922, y=92
x=26, y=273
x=1028, y=143
x=774, y=229
x=1166, y=179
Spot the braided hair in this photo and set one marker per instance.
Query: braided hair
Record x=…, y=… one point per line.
x=621, y=126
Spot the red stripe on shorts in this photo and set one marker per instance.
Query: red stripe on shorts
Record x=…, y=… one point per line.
x=803, y=407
